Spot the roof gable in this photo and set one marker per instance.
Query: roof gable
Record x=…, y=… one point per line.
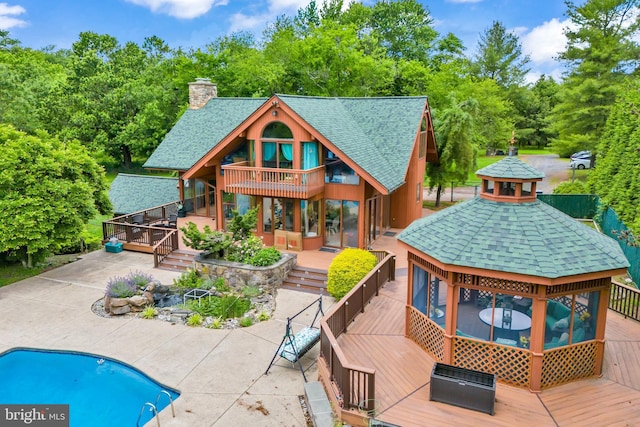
x=524, y=238
x=378, y=134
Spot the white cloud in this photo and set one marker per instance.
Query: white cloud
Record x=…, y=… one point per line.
x=7, y=19
x=184, y=9
x=543, y=44
x=255, y=23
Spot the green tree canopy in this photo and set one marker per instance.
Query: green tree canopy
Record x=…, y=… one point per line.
x=616, y=177
x=601, y=51
x=48, y=191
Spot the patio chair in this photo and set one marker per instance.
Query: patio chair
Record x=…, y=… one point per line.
x=173, y=221
x=137, y=219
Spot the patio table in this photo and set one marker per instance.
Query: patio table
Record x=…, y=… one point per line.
x=519, y=321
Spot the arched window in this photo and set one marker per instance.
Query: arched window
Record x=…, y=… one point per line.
x=277, y=146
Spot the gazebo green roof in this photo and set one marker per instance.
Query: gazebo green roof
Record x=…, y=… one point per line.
x=511, y=167
x=133, y=193
x=526, y=238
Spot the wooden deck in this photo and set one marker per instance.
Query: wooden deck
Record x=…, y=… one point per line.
x=376, y=340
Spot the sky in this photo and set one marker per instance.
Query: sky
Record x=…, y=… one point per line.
x=195, y=23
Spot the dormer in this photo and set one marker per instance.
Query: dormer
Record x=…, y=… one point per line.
x=510, y=180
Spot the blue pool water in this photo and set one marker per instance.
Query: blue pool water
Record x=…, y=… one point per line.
x=99, y=391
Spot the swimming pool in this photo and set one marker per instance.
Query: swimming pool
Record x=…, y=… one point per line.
x=99, y=391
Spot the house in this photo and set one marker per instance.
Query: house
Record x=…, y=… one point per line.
x=507, y=284
x=335, y=172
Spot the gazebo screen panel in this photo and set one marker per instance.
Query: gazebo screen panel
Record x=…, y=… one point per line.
x=511, y=286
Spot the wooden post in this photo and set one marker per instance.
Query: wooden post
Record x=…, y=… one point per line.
x=536, y=341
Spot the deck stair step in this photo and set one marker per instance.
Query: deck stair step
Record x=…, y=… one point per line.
x=306, y=279
x=178, y=260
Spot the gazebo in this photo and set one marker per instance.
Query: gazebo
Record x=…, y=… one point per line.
x=506, y=284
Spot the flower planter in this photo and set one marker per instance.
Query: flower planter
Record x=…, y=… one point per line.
x=462, y=387
x=113, y=247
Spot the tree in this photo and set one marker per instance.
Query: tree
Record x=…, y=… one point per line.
x=601, y=51
x=48, y=192
x=500, y=57
x=616, y=178
x=456, y=152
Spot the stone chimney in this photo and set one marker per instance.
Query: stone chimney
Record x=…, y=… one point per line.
x=200, y=92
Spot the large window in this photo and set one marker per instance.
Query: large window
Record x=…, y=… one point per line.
x=341, y=223
x=429, y=295
x=240, y=202
x=277, y=214
x=310, y=214
x=277, y=146
x=336, y=171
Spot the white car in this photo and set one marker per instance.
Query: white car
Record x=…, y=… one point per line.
x=580, y=162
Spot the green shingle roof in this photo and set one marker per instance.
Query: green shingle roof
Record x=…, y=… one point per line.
x=132, y=193
x=376, y=133
x=198, y=131
x=510, y=167
x=527, y=238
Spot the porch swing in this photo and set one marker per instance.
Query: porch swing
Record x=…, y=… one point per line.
x=295, y=345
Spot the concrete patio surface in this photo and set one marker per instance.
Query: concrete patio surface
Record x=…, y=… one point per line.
x=220, y=373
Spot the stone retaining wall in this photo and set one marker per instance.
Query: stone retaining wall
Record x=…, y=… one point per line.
x=237, y=275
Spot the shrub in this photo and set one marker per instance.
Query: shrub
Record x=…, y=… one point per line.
x=347, y=269
x=221, y=285
x=209, y=241
x=120, y=287
x=241, y=226
x=149, y=312
x=195, y=320
x=265, y=257
x=190, y=279
x=246, y=321
x=263, y=316
x=575, y=187
x=224, y=307
x=216, y=323
x=244, y=250
x=139, y=279
x=251, y=291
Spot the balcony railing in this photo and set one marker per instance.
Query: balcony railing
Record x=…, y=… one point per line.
x=273, y=182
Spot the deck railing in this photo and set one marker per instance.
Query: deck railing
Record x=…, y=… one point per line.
x=625, y=300
x=355, y=385
x=142, y=231
x=273, y=182
x=164, y=247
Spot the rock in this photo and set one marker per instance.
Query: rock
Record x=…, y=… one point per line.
x=120, y=310
x=138, y=301
x=148, y=296
x=118, y=302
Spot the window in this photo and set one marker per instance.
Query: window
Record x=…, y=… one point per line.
x=336, y=171
x=526, y=189
x=570, y=319
x=422, y=149
x=429, y=297
x=487, y=186
x=277, y=146
x=507, y=188
x=310, y=214
x=277, y=214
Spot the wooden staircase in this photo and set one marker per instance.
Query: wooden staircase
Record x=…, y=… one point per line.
x=306, y=279
x=178, y=260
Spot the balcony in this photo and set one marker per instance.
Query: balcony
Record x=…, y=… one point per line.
x=273, y=182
